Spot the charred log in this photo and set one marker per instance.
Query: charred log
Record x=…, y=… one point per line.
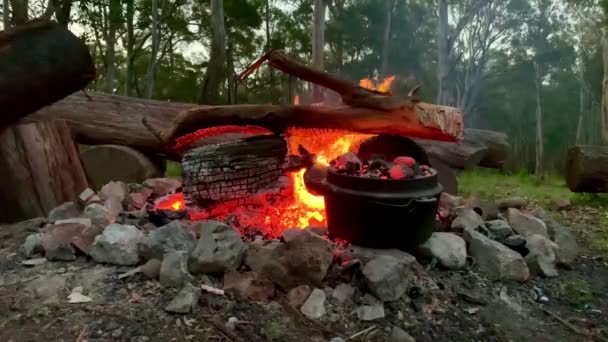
x=587, y=169
x=41, y=62
x=36, y=175
x=232, y=170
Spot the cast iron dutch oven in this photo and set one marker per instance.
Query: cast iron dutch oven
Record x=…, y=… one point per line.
x=378, y=213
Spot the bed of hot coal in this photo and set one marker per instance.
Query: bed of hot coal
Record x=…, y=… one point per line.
x=286, y=203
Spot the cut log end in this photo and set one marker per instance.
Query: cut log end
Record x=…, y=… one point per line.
x=587, y=169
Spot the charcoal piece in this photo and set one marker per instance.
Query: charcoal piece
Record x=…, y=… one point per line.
x=380, y=164
x=348, y=163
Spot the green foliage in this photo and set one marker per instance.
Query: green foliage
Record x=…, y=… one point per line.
x=174, y=169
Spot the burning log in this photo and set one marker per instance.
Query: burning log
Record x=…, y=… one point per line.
x=587, y=169
x=41, y=62
x=37, y=175
x=232, y=170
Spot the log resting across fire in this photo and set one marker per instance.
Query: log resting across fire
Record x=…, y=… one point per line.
x=106, y=119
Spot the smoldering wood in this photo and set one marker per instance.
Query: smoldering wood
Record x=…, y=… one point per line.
x=36, y=175
x=41, y=62
x=232, y=170
x=587, y=169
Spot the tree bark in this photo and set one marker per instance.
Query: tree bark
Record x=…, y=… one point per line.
x=113, y=23
x=6, y=16
x=605, y=85
x=20, y=9
x=587, y=169
x=63, y=10
x=40, y=62
x=40, y=170
x=129, y=78
x=443, y=53
x=318, y=43
x=539, y=171
x=155, y=43
x=386, y=38
x=216, y=70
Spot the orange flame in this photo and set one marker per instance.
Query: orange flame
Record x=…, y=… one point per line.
x=383, y=87
x=327, y=146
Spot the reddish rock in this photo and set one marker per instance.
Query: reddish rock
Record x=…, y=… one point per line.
x=400, y=171
x=114, y=189
x=249, y=285
x=139, y=198
x=89, y=196
x=298, y=295
x=163, y=186
x=57, y=240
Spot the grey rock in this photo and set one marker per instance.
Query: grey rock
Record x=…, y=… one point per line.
x=185, y=301
x=562, y=236
x=100, y=216
x=387, y=277
x=321, y=231
x=513, y=202
x=65, y=211
x=117, y=245
x=337, y=339
x=172, y=237
x=541, y=259
x=163, y=186
x=314, y=306
x=34, y=262
x=495, y=259
x=303, y=259
x=298, y=295
x=516, y=243
x=114, y=206
x=526, y=224
x=449, y=202
x=80, y=220
x=449, y=249
x=370, y=312
x=219, y=249
x=151, y=269
x=343, y=292
x=61, y=252
x=32, y=245
x=499, y=229
x=398, y=335
x=117, y=190
x=466, y=218
x=174, y=270
x=365, y=255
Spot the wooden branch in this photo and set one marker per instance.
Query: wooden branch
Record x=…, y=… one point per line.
x=41, y=62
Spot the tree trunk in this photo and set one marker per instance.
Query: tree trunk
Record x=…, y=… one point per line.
x=539, y=171
x=581, y=94
x=20, y=9
x=386, y=39
x=155, y=43
x=113, y=23
x=605, y=85
x=129, y=78
x=216, y=70
x=318, y=43
x=63, y=10
x=46, y=61
x=6, y=16
x=40, y=170
x=587, y=169
x=443, y=96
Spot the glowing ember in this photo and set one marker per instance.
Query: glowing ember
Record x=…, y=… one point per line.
x=296, y=100
x=172, y=202
x=383, y=87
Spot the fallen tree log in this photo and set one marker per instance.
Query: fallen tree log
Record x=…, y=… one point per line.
x=497, y=144
x=36, y=175
x=41, y=62
x=587, y=169
x=477, y=148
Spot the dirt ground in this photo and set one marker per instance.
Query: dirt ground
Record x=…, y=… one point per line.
x=445, y=306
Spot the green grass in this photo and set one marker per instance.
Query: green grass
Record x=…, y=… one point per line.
x=174, y=169
x=493, y=184
x=577, y=292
